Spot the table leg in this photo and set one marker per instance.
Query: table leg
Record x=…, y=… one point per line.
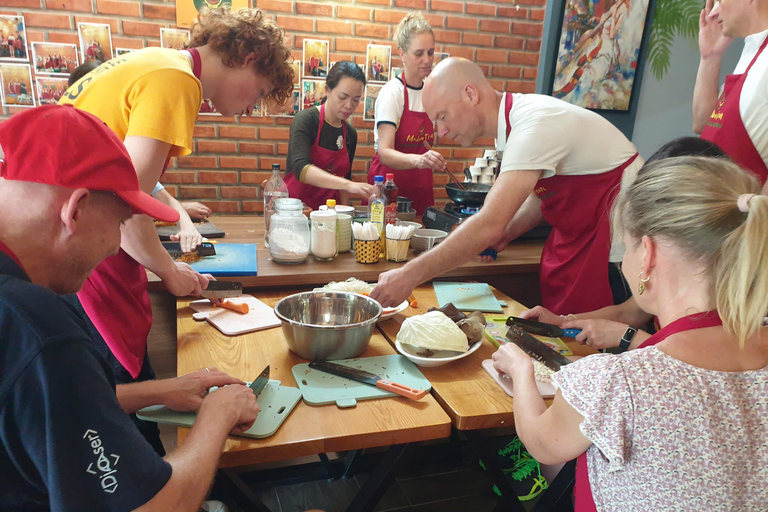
x=349, y=463
x=379, y=481
x=247, y=499
x=508, y=501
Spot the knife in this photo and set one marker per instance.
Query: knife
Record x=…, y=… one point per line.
x=542, y=329
x=536, y=349
x=222, y=290
x=261, y=382
x=368, y=378
x=204, y=249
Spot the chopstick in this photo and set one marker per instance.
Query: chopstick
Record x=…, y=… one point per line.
x=458, y=183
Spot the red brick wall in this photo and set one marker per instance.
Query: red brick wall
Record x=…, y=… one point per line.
x=234, y=155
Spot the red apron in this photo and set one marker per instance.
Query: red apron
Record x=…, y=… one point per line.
x=335, y=162
x=582, y=492
x=726, y=128
x=574, y=261
x=414, y=129
x=116, y=299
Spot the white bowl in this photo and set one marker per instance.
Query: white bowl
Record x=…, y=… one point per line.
x=425, y=239
x=415, y=225
x=438, y=358
x=409, y=215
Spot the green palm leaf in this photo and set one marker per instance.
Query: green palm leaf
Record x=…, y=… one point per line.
x=672, y=17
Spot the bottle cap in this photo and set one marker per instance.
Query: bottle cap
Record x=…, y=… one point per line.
x=378, y=179
x=275, y=167
x=390, y=176
x=331, y=203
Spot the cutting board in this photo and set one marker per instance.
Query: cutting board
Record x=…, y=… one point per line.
x=546, y=389
x=467, y=296
x=260, y=316
x=275, y=403
x=206, y=229
x=320, y=388
x=230, y=260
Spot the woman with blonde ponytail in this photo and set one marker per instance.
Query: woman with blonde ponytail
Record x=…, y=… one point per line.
x=681, y=424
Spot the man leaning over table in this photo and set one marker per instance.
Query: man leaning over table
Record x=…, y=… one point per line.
x=561, y=163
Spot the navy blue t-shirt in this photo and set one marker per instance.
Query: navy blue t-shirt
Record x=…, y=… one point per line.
x=65, y=442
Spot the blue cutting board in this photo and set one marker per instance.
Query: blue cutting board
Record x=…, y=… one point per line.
x=467, y=296
x=230, y=260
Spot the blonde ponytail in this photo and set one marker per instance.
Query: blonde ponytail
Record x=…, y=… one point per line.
x=409, y=27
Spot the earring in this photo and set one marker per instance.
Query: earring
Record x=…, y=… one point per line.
x=641, y=284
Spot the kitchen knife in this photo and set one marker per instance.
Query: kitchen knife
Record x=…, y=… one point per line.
x=204, y=249
x=542, y=329
x=368, y=378
x=261, y=382
x=222, y=290
x=536, y=349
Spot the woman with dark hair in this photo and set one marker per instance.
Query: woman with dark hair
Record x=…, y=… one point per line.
x=322, y=143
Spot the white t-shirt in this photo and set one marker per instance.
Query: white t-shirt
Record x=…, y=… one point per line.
x=562, y=139
x=753, y=103
x=390, y=104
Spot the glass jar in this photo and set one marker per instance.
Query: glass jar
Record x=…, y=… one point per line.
x=323, y=235
x=289, y=238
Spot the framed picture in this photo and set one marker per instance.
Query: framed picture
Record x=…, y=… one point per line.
x=258, y=110
x=396, y=72
x=56, y=59
x=288, y=109
x=378, y=61
x=369, y=105
x=312, y=93
x=123, y=51
x=50, y=89
x=95, y=41
x=13, y=39
x=207, y=109
x=17, y=85
x=598, y=51
x=296, y=64
x=315, y=58
x=439, y=56
x=174, y=38
x=187, y=10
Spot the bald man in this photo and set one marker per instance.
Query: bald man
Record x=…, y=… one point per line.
x=561, y=163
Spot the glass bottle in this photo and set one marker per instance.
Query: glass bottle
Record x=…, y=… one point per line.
x=389, y=191
x=275, y=189
x=289, y=232
x=376, y=204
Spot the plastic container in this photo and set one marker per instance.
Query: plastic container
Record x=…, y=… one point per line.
x=376, y=204
x=323, y=236
x=289, y=232
x=275, y=189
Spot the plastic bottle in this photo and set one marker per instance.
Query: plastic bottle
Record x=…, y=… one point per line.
x=389, y=191
x=376, y=204
x=275, y=189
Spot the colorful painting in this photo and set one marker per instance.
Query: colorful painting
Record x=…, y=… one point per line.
x=288, y=109
x=315, y=58
x=187, y=10
x=312, y=93
x=95, y=41
x=50, y=90
x=378, y=60
x=13, y=39
x=16, y=80
x=369, y=105
x=598, y=52
x=55, y=59
x=176, y=39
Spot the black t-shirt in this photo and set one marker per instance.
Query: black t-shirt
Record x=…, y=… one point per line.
x=303, y=133
x=65, y=442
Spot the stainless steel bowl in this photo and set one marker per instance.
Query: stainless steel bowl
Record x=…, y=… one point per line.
x=328, y=325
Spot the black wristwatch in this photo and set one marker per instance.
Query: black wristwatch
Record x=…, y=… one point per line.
x=627, y=338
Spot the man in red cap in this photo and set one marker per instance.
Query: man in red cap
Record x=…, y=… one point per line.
x=66, y=442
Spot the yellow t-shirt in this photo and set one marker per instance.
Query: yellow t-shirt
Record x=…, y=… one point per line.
x=150, y=93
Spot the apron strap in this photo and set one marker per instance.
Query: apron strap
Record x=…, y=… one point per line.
x=507, y=107
x=686, y=323
x=405, y=92
x=759, y=51
x=197, y=62
x=320, y=127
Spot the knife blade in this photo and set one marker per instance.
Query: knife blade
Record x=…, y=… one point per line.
x=204, y=249
x=368, y=378
x=222, y=290
x=261, y=382
x=536, y=349
x=542, y=329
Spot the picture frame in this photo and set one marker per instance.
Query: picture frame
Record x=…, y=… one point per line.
x=369, y=104
x=315, y=57
x=50, y=89
x=288, y=109
x=598, y=48
x=95, y=41
x=378, y=62
x=123, y=51
x=311, y=93
x=175, y=38
x=188, y=10
x=396, y=72
x=296, y=65
x=13, y=49
x=208, y=109
x=54, y=59
x=16, y=82
x=439, y=57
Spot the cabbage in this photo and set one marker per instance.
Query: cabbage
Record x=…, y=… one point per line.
x=433, y=331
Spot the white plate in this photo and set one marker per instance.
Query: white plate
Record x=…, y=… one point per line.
x=439, y=358
x=390, y=312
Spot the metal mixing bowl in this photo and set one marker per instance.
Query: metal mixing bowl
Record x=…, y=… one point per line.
x=328, y=325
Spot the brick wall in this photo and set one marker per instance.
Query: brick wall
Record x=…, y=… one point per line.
x=233, y=155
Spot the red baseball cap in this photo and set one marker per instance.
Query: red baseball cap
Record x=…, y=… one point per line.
x=66, y=147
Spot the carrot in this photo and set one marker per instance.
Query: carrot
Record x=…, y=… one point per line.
x=240, y=308
x=412, y=301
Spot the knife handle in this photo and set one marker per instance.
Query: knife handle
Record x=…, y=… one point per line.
x=400, y=389
x=571, y=333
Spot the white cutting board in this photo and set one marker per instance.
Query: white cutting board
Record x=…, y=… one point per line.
x=259, y=317
x=546, y=389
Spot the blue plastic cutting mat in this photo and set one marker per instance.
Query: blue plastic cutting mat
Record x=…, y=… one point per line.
x=467, y=296
x=230, y=260
x=320, y=388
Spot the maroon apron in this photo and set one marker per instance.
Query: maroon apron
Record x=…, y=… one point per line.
x=574, y=262
x=116, y=299
x=582, y=492
x=335, y=162
x=414, y=130
x=726, y=128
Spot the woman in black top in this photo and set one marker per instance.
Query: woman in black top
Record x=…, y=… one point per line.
x=323, y=143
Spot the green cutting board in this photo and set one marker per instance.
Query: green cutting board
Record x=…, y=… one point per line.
x=320, y=388
x=467, y=296
x=275, y=404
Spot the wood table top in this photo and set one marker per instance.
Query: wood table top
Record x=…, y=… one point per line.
x=468, y=394
x=308, y=430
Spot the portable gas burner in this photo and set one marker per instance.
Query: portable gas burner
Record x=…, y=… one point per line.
x=454, y=214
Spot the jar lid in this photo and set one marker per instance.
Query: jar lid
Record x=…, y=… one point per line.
x=289, y=204
x=341, y=208
x=323, y=215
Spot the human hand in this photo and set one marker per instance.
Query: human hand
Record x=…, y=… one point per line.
x=237, y=402
x=392, y=289
x=188, y=238
x=597, y=333
x=712, y=42
x=542, y=314
x=196, y=210
x=184, y=280
x=431, y=160
x=186, y=393
x=510, y=360
x=359, y=189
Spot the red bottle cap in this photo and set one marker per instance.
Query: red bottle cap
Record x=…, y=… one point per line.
x=390, y=176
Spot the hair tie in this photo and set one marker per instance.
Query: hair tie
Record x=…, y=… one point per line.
x=743, y=202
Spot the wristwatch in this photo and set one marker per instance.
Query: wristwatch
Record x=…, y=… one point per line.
x=627, y=338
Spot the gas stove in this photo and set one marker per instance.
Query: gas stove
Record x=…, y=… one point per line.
x=453, y=214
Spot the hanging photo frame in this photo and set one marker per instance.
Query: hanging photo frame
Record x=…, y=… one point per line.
x=369, y=105
x=16, y=81
x=174, y=38
x=315, y=59
x=378, y=63
x=13, y=39
x=95, y=41
x=50, y=89
x=54, y=59
x=312, y=93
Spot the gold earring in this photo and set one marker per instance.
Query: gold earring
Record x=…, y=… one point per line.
x=641, y=284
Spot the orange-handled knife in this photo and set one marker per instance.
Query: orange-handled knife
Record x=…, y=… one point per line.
x=368, y=378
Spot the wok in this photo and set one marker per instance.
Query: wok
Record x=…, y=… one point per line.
x=474, y=195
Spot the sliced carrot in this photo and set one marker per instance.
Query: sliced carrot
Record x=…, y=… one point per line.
x=240, y=308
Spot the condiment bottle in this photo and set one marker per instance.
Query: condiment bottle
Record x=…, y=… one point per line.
x=389, y=190
x=275, y=189
x=323, y=235
x=376, y=204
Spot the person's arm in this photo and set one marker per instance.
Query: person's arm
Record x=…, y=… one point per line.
x=187, y=236
x=196, y=210
x=471, y=238
x=390, y=157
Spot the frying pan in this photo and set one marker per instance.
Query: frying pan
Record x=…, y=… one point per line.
x=474, y=195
